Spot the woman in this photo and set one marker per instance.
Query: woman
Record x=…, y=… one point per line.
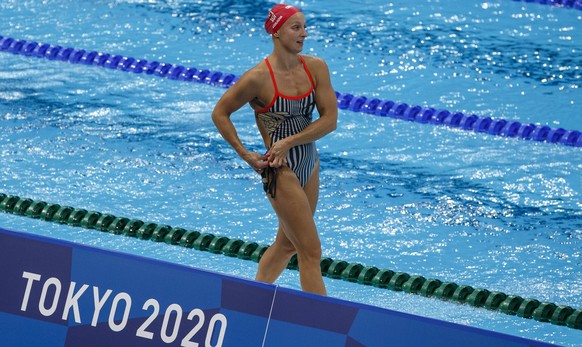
x=283, y=89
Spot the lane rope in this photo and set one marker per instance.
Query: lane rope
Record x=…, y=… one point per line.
x=336, y=269
x=346, y=101
x=575, y=4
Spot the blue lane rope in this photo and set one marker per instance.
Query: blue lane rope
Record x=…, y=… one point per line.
x=346, y=101
x=576, y=4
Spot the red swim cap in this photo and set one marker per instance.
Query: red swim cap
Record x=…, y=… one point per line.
x=278, y=15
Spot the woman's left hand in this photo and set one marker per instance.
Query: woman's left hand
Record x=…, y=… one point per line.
x=277, y=155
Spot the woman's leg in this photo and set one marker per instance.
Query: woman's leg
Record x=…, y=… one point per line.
x=275, y=258
x=312, y=188
x=295, y=207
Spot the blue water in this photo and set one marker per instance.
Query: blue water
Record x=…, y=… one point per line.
x=491, y=212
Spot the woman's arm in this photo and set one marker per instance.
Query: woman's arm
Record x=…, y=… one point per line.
x=242, y=92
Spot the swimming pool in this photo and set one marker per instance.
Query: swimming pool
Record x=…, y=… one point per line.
x=492, y=212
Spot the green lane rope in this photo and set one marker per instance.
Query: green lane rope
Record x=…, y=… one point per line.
x=336, y=269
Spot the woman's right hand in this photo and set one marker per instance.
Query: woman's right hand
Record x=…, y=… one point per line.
x=257, y=161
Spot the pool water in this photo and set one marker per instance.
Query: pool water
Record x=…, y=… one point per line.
x=491, y=212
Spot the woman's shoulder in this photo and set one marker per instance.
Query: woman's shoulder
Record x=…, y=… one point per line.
x=315, y=65
x=256, y=74
x=311, y=60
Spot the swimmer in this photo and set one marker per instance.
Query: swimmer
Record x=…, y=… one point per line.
x=284, y=89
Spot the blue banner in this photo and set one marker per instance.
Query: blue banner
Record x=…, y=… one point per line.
x=57, y=293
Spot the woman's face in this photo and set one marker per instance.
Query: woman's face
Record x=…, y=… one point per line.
x=293, y=32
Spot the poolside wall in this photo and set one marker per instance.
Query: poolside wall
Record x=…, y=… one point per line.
x=57, y=293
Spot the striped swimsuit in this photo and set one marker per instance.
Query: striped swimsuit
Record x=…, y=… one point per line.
x=286, y=116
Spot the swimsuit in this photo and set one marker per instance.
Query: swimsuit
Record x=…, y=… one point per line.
x=286, y=116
